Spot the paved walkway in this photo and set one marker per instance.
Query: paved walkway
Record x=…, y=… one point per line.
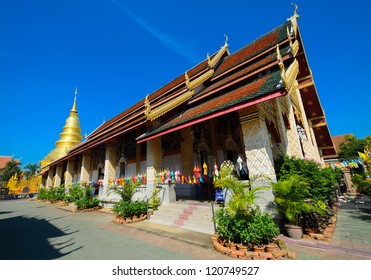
x=31, y=230
x=36, y=230
x=351, y=239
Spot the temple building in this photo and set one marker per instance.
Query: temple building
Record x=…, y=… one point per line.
x=248, y=107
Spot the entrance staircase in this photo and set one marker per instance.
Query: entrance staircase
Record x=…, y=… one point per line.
x=190, y=215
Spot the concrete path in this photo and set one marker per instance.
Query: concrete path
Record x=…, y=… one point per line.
x=40, y=231
x=36, y=230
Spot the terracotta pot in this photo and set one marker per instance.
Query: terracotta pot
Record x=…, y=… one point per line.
x=242, y=247
x=257, y=248
x=294, y=232
x=233, y=246
x=271, y=247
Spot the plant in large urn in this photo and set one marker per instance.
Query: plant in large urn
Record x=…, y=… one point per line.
x=291, y=198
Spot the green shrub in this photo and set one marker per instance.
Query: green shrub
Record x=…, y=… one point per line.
x=56, y=193
x=126, y=192
x=243, y=198
x=254, y=229
x=42, y=194
x=362, y=185
x=154, y=202
x=75, y=192
x=321, y=180
x=262, y=229
x=128, y=209
x=87, y=200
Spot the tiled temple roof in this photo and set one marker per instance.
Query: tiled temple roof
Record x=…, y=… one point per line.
x=248, y=76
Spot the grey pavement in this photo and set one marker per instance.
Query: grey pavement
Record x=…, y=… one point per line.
x=31, y=230
x=36, y=230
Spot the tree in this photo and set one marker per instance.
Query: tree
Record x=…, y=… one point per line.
x=350, y=147
x=31, y=169
x=11, y=168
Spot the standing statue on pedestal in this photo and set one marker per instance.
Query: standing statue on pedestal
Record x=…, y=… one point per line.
x=241, y=169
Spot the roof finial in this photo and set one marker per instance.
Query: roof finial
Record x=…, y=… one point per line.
x=296, y=9
x=226, y=39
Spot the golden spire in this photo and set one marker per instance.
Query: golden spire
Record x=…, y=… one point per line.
x=70, y=136
x=74, y=109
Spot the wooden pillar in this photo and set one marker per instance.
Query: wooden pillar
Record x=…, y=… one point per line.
x=154, y=162
x=186, y=150
x=138, y=154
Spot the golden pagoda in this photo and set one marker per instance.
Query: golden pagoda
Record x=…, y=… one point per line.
x=70, y=136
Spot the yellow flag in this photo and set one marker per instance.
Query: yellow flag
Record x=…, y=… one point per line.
x=362, y=156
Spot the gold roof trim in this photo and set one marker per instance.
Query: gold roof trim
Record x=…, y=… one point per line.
x=316, y=118
x=306, y=85
x=291, y=74
x=288, y=76
x=212, y=62
x=326, y=147
x=293, y=46
x=306, y=77
x=191, y=85
x=319, y=125
x=199, y=80
x=158, y=112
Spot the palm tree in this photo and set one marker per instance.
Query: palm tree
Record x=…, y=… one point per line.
x=31, y=169
x=11, y=168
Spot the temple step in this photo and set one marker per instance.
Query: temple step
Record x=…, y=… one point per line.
x=191, y=216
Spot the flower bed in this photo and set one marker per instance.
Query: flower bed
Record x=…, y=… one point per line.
x=243, y=253
x=96, y=208
x=134, y=219
x=327, y=233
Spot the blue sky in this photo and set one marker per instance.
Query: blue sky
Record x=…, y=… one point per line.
x=118, y=51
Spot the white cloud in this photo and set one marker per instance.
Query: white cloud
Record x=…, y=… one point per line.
x=180, y=48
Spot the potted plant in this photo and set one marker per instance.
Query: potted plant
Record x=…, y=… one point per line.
x=262, y=230
x=291, y=198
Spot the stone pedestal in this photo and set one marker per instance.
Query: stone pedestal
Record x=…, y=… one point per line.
x=168, y=192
